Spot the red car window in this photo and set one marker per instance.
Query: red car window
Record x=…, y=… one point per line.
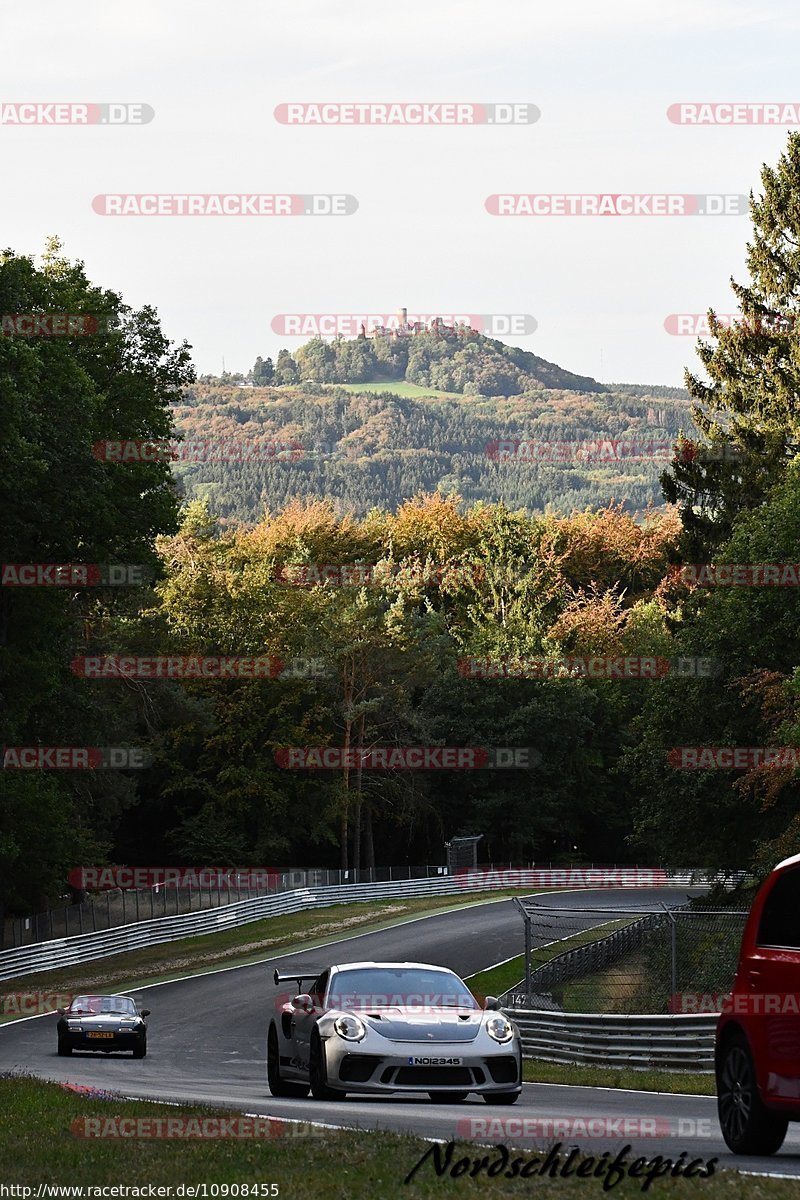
x=780, y=920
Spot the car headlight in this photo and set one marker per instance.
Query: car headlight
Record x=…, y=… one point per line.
x=499, y=1028
x=73, y=1024
x=352, y=1029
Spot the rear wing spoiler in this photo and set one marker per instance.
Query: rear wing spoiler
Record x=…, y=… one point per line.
x=294, y=976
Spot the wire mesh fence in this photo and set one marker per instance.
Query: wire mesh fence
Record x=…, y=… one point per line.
x=603, y=960
x=123, y=906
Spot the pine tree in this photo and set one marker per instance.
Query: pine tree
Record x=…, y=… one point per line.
x=749, y=412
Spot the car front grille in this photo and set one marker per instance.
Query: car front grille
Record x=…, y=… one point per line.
x=430, y=1076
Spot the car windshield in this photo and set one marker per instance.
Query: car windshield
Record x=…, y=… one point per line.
x=411, y=987
x=92, y=1006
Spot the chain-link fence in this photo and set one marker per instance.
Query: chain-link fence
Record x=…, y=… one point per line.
x=117, y=906
x=603, y=960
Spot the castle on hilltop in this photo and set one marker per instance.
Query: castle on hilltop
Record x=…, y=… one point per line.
x=401, y=327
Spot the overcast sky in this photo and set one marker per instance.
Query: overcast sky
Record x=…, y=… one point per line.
x=603, y=76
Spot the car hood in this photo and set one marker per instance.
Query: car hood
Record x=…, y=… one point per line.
x=410, y=1025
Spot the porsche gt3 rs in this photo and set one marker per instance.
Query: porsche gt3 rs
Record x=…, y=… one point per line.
x=379, y=1028
x=103, y=1023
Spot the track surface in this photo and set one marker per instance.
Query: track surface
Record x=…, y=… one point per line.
x=207, y=1043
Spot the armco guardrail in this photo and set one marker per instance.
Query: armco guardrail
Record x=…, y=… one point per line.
x=67, y=952
x=674, y=1043
x=180, y=891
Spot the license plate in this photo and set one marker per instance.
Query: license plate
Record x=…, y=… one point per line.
x=419, y=1060
x=100, y=1035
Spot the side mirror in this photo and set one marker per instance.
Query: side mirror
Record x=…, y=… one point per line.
x=61, y=1011
x=145, y=1012
x=303, y=1002
x=492, y=1002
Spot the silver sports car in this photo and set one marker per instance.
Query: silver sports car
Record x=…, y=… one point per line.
x=376, y=1028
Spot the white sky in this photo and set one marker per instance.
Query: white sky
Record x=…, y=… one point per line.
x=603, y=76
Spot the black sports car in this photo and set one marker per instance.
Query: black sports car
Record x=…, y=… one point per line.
x=103, y=1023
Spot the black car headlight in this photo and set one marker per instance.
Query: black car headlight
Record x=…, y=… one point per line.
x=73, y=1025
x=351, y=1028
x=499, y=1028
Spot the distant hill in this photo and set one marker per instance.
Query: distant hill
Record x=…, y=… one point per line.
x=364, y=447
x=466, y=362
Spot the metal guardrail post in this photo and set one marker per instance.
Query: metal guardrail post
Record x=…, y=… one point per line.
x=528, y=949
x=673, y=946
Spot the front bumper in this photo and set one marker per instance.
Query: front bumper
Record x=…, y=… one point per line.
x=369, y=1070
x=123, y=1040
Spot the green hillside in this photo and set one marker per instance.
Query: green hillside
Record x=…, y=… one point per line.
x=365, y=446
x=465, y=362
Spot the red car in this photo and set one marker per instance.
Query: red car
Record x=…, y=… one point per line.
x=757, y=1052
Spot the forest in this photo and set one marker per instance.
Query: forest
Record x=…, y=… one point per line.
x=371, y=588
x=541, y=450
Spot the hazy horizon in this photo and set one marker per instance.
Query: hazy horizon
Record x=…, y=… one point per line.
x=599, y=288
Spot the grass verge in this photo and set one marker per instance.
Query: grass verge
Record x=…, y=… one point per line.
x=233, y=947
x=692, y=1083
x=38, y=1138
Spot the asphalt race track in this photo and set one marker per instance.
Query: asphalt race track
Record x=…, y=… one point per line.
x=207, y=1043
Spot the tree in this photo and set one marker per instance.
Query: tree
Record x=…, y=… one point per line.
x=263, y=372
x=750, y=401
x=62, y=503
x=286, y=371
x=752, y=633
